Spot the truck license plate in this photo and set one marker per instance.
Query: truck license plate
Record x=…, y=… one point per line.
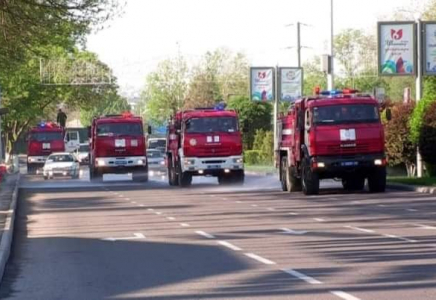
x=349, y=163
x=120, y=162
x=214, y=167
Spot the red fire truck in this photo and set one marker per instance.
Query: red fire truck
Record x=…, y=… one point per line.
x=204, y=142
x=335, y=134
x=43, y=139
x=117, y=145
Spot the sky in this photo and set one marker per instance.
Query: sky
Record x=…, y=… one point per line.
x=150, y=31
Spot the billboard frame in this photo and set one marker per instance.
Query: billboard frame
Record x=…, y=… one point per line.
x=424, y=47
x=279, y=82
x=273, y=70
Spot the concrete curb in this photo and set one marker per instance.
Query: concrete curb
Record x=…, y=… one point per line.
x=260, y=173
x=8, y=231
x=412, y=188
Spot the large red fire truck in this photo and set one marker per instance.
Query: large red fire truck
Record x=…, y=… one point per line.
x=117, y=145
x=43, y=139
x=335, y=134
x=204, y=142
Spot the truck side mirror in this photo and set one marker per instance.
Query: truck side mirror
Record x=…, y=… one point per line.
x=149, y=129
x=388, y=114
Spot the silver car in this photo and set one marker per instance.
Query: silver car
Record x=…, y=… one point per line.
x=82, y=154
x=61, y=164
x=156, y=162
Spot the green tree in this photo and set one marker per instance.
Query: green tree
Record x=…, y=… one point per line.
x=427, y=138
x=417, y=119
x=252, y=116
x=313, y=76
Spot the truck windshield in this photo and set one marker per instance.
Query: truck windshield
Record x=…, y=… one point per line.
x=341, y=114
x=46, y=136
x=117, y=129
x=218, y=124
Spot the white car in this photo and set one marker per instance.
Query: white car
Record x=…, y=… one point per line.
x=61, y=164
x=82, y=153
x=156, y=162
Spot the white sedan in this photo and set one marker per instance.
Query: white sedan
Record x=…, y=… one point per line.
x=61, y=164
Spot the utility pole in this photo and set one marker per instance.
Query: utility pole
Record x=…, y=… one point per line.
x=419, y=59
x=298, y=45
x=330, y=77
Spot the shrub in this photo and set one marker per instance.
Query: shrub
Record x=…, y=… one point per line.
x=427, y=138
x=399, y=147
x=417, y=119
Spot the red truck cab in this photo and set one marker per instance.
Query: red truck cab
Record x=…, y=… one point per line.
x=204, y=142
x=117, y=145
x=332, y=135
x=43, y=140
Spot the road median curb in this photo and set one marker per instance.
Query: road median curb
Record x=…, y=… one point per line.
x=8, y=231
x=412, y=188
x=255, y=173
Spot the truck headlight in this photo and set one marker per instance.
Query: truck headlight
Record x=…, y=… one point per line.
x=100, y=163
x=380, y=162
x=238, y=160
x=140, y=162
x=189, y=162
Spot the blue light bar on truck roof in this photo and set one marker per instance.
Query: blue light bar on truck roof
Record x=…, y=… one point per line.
x=338, y=92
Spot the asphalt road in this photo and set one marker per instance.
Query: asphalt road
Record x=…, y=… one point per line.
x=123, y=240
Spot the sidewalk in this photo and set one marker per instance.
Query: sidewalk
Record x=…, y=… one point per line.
x=8, y=201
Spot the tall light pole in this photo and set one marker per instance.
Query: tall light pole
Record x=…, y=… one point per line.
x=419, y=164
x=330, y=76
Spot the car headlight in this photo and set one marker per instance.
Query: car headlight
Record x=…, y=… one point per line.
x=100, y=163
x=238, y=160
x=162, y=162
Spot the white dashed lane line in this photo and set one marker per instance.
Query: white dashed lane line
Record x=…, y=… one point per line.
x=293, y=214
x=344, y=295
x=423, y=226
x=171, y=218
x=411, y=209
x=360, y=229
x=260, y=259
x=271, y=209
x=319, y=219
x=392, y=236
x=229, y=245
x=150, y=209
x=205, y=234
x=302, y=276
x=185, y=225
x=254, y=205
x=141, y=205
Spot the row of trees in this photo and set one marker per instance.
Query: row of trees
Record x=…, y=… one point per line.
x=49, y=30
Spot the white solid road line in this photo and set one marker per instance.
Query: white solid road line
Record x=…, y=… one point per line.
x=185, y=225
x=229, y=245
x=260, y=259
x=135, y=237
x=290, y=231
x=400, y=238
x=319, y=219
x=423, y=226
x=205, y=234
x=302, y=276
x=360, y=229
x=344, y=295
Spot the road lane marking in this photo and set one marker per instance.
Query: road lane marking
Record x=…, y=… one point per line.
x=302, y=276
x=423, y=226
x=171, y=218
x=271, y=209
x=134, y=202
x=290, y=231
x=319, y=219
x=399, y=238
x=238, y=201
x=260, y=259
x=158, y=213
x=185, y=225
x=381, y=205
x=293, y=214
x=205, y=234
x=150, y=209
x=135, y=237
x=360, y=229
x=225, y=199
x=128, y=199
x=229, y=245
x=411, y=209
x=120, y=196
x=254, y=205
x=344, y=295
x=141, y=205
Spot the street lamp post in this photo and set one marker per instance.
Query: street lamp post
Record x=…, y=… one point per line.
x=330, y=76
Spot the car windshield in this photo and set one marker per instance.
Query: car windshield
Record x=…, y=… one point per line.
x=61, y=158
x=341, y=114
x=154, y=154
x=84, y=148
x=46, y=136
x=217, y=124
x=116, y=129
x=160, y=143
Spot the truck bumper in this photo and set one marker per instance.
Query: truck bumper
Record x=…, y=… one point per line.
x=212, y=165
x=120, y=164
x=36, y=160
x=341, y=166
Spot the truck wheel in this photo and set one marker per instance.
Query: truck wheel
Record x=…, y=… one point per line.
x=140, y=175
x=185, y=179
x=95, y=174
x=292, y=183
x=353, y=183
x=377, y=180
x=239, y=177
x=310, y=179
x=172, y=175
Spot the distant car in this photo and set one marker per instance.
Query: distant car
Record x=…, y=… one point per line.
x=82, y=153
x=61, y=164
x=156, y=162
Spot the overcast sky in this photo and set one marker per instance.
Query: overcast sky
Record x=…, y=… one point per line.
x=152, y=30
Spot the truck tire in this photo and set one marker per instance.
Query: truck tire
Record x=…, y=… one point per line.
x=310, y=179
x=95, y=174
x=140, y=175
x=172, y=175
x=292, y=183
x=353, y=183
x=377, y=180
x=185, y=179
x=283, y=176
x=239, y=177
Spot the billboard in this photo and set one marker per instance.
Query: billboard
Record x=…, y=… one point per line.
x=429, y=45
x=262, y=84
x=290, y=84
x=396, y=48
